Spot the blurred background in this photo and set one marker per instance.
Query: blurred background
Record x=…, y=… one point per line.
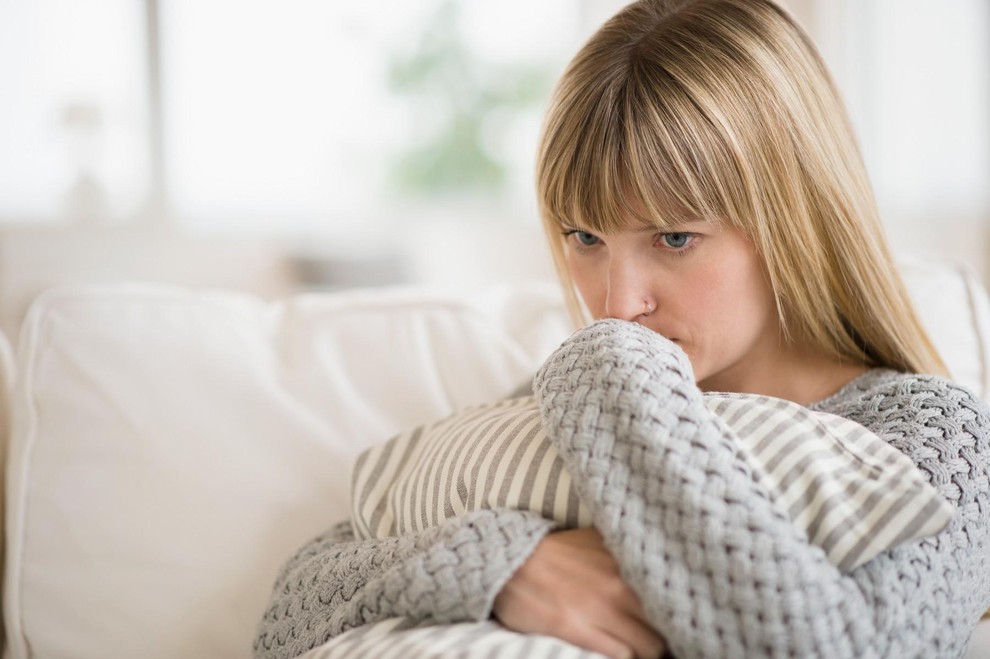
x=275, y=146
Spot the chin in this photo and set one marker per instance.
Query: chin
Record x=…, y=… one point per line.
x=699, y=373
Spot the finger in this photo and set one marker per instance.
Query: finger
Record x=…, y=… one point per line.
x=623, y=616
x=597, y=640
x=617, y=593
x=543, y=619
x=645, y=642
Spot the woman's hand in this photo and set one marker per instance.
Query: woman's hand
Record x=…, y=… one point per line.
x=571, y=588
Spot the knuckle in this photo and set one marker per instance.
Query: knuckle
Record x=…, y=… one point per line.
x=617, y=590
x=564, y=620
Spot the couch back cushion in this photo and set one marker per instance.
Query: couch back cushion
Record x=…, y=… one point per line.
x=170, y=449
x=6, y=385
x=954, y=308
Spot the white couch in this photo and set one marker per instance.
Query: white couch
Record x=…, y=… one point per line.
x=168, y=449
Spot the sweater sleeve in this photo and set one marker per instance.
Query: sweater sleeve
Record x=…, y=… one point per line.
x=447, y=573
x=720, y=569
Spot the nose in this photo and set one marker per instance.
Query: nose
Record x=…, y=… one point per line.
x=629, y=295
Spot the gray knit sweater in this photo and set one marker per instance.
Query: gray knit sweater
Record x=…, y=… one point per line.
x=721, y=571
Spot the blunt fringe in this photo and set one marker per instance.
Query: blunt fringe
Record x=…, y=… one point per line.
x=723, y=110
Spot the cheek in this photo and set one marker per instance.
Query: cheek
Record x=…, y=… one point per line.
x=733, y=293
x=703, y=301
x=749, y=298
x=590, y=285
x=754, y=289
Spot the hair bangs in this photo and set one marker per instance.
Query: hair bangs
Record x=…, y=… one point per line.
x=583, y=181
x=618, y=172
x=680, y=165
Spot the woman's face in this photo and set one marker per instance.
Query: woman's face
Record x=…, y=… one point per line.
x=705, y=284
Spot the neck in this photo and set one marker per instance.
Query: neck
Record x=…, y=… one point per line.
x=801, y=376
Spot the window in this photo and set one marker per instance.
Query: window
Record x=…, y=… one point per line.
x=307, y=114
x=274, y=113
x=916, y=76
x=73, y=119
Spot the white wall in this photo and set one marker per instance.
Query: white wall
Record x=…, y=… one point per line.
x=916, y=76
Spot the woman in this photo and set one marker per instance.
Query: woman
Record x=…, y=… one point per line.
x=702, y=189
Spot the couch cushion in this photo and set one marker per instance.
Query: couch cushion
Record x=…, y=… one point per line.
x=172, y=448
x=955, y=310
x=6, y=384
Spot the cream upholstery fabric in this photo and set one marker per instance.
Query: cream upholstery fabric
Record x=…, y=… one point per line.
x=169, y=449
x=954, y=308
x=6, y=384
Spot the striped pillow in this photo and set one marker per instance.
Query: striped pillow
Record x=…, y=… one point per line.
x=404, y=638
x=853, y=494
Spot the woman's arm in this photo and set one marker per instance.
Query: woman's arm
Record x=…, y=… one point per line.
x=571, y=588
x=447, y=573
x=720, y=570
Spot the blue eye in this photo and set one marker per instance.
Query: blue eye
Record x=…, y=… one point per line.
x=676, y=240
x=586, y=238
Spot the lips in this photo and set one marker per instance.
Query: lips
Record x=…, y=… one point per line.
x=667, y=336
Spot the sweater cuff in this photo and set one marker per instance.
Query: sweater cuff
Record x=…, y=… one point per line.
x=490, y=547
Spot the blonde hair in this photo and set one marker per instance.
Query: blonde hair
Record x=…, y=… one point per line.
x=723, y=110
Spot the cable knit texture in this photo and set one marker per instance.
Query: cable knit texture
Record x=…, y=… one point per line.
x=444, y=574
x=721, y=570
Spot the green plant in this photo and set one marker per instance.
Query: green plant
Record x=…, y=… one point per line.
x=463, y=103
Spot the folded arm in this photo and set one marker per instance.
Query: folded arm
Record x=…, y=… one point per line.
x=445, y=574
x=723, y=572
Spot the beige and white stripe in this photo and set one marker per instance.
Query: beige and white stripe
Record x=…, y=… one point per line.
x=855, y=495
x=396, y=638
x=488, y=456
x=852, y=493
